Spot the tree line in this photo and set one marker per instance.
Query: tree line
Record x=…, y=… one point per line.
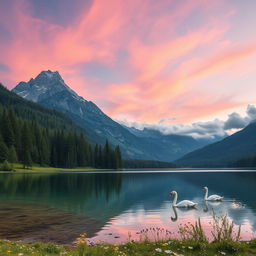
x=27, y=142
x=140, y=163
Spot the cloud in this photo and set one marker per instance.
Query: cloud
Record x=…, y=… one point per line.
x=167, y=120
x=211, y=129
x=235, y=121
x=145, y=60
x=251, y=111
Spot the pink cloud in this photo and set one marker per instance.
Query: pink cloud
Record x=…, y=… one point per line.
x=170, y=47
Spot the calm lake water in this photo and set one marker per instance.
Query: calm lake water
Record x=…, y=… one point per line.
x=58, y=207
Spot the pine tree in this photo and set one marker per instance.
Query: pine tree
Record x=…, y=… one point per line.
x=118, y=157
x=12, y=155
x=27, y=162
x=101, y=160
x=106, y=155
x=27, y=146
x=96, y=156
x=7, y=129
x=3, y=151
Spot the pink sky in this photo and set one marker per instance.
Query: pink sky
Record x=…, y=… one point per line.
x=137, y=60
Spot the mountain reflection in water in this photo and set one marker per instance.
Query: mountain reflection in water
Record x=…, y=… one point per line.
x=110, y=205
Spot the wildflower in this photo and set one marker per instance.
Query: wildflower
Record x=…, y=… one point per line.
x=158, y=250
x=223, y=253
x=116, y=249
x=20, y=254
x=81, y=240
x=190, y=247
x=164, y=244
x=168, y=251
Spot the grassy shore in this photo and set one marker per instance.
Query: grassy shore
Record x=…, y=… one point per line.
x=193, y=242
x=171, y=247
x=19, y=168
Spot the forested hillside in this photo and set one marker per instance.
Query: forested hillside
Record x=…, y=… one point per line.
x=32, y=134
x=50, y=90
x=231, y=151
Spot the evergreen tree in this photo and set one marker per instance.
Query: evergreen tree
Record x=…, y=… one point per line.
x=96, y=156
x=12, y=155
x=27, y=162
x=27, y=146
x=29, y=134
x=7, y=129
x=118, y=158
x=106, y=155
x=3, y=151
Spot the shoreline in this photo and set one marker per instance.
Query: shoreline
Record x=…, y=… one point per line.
x=17, y=168
x=143, y=248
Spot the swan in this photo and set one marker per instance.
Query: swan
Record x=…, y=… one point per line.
x=212, y=197
x=182, y=204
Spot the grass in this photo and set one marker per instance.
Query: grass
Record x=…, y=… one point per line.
x=19, y=168
x=192, y=242
x=146, y=248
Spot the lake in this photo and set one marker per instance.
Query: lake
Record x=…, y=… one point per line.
x=107, y=206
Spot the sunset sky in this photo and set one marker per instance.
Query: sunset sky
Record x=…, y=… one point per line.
x=148, y=61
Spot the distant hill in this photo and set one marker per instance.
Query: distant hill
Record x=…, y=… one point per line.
x=225, y=152
x=50, y=90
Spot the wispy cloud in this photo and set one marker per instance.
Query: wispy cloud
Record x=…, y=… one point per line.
x=145, y=60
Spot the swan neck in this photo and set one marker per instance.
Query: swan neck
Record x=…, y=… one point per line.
x=175, y=199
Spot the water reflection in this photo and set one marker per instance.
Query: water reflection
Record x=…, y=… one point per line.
x=134, y=201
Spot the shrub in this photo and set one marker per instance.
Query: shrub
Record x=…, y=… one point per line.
x=193, y=232
x=6, y=166
x=223, y=230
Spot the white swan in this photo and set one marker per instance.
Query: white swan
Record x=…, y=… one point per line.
x=182, y=204
x=212, y=197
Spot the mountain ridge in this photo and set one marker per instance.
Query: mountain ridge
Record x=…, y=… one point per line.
x=50, y=90
x=223, y=153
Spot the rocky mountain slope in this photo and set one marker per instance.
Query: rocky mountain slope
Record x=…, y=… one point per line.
x=49, y=89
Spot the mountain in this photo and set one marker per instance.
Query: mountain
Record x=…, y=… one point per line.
x=49, y=89
x=33, y=134
x=225, y=152
x=27, y=110
x=179, y=144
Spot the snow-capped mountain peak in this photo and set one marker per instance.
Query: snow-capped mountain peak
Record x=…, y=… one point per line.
x=46, y=84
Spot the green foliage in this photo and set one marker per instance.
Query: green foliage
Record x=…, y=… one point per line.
x=5, y=166
x=169, y=247
x=3, y=151
x=193, y=232
x=224, y=230
x=31, y=134
x=12, y=155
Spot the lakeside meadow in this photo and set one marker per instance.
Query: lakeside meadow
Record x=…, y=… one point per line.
x=193, y=241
